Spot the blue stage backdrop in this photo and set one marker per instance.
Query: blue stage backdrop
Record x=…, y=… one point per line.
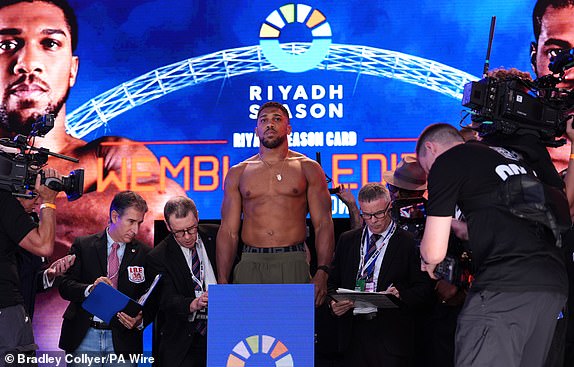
x=187, y=78
x=360, y=79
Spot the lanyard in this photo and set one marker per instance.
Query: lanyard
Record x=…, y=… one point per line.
x=364, y=266
x=201, y=269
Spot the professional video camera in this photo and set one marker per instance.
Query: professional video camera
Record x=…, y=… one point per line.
x=512, y=105
x=410, y=215
x=22, y=162
x=509, y=107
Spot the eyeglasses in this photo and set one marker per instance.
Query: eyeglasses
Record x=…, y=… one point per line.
x=378, y=215
x=181, y=233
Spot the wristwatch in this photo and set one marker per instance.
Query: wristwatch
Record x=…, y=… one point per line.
x=325, y=268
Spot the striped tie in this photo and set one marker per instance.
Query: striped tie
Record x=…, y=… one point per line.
x=371, y=248
x=200, y=325
x=114, y=265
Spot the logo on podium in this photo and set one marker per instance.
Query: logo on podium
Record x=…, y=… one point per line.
x=273, y=348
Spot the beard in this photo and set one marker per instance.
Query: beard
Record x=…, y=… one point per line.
x=14, y=122
x=273, y=143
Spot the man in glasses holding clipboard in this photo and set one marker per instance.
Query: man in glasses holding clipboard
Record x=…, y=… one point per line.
x=186, y=258
x=378, y=257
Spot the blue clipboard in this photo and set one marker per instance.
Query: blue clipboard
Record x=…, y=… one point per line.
x=104, y=301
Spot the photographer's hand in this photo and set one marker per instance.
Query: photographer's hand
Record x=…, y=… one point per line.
x=344, y=193
x=40, y=240
x=429, y=268
x=47, y=195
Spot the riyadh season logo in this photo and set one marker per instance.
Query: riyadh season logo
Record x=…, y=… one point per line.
x=289, y=16
x=260, y=350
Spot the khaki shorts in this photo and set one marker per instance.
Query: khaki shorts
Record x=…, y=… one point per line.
x=272, y=268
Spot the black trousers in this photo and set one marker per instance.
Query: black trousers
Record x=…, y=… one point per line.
x=511, y=329
x=16, y=335
x=367, y=348
x=196, y=355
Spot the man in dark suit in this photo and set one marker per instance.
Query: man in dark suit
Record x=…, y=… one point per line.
x=116, y=258
x=378, y=257
x=186, y=258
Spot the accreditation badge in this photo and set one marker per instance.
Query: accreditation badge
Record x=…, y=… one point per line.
x=360, y=285
x=136, y=274
x=370, y=287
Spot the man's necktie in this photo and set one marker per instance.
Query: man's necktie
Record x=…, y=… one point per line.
x=114, y=265
x=371, y=248
x=200, y=325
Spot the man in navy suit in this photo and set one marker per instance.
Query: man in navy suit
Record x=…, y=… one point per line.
x=186, y=258
x=116, y=258
x=378, y=257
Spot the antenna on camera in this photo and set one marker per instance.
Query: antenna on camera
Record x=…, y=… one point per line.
x=489, y=48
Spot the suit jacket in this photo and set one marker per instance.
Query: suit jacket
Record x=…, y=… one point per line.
x=401, y=267
x=177, y=291
x=90, y=264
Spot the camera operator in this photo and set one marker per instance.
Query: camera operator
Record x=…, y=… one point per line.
x=407, y=181
x=18, y=229
x=35, y=272
x=520, y=282
x=435, y=341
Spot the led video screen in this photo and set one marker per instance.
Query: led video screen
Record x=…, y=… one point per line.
x=184, y=80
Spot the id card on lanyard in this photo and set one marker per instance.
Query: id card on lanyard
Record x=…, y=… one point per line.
x=199, y=281
x=365, y=283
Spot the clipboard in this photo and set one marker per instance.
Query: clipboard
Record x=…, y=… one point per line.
x=104, y=301
x=367, y=299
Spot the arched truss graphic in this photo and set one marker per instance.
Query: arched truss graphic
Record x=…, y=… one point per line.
x=365, y=60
